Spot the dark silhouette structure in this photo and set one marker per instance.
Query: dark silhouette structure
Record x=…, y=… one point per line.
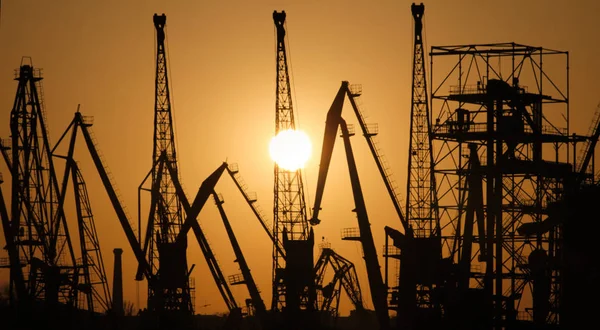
x=328, y=295
x=294, y=295
x=117, y=307
x=49, y=278
x=170, y=291
x=504, y=154
x=363, y=234
x=495, y=233
x=420, y=244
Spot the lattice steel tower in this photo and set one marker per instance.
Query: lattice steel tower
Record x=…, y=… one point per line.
x=42, y=261
x=293, y=280
x=170, y=289
x=421, y=211
x=41, y=250
x=502, y=158
x=419, y=257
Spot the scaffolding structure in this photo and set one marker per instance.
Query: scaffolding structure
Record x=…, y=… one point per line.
x=500, y=117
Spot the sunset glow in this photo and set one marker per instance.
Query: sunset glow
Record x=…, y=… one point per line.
x=290, y=149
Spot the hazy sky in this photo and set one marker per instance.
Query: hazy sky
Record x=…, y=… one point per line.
x=101, y=54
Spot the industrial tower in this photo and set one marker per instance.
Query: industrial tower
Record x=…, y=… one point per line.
x=293, y=277
x=170, y=288
x=421, y=204
x=47, y=276
x=503, y=157
x=38, y=226
x=420, y=243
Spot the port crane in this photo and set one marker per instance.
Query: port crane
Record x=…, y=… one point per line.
x=45, y=269
x=245, y=277
x=294, y=295
x=420, y=244
x=170, y=294
x=333, y=122
x=344, y=276
x=83, y=124
x=251, y=200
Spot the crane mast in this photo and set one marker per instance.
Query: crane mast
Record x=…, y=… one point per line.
x=40, y=247
x=420, y=245
x=293, y=280
x=165, y=219
x=421, y=211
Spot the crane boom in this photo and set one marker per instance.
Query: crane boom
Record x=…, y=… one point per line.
x=192, y=211
x=257, y=301
x=352, y=96
x=251, y=203
x=385, y=175
x=202, y=196
x=331, y=127
x=334, y=119
x=114, y=199
x=95, y=282
x=591, y=146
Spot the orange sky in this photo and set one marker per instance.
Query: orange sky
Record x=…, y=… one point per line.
x=100, y=54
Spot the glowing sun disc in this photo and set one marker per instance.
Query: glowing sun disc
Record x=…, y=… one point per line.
x=290, y=149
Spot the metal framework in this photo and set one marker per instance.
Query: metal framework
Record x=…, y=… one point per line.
x=293, y=281
x=171, y=289
x=93, y=287
x=363, y=233
x=167, y=317
x=501, y=140
x=421, y=210
x=38, y=225
x=42, y=260
x=245, y=277
x=344, y=277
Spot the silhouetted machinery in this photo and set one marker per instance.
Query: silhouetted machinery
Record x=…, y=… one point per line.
x=365, y=236
x=169, y=299
x=294, y=295
x=420, y=244
x=492, y=237
x=169, y=291
x=328, y=295
x=49, y=279
x=161, y=317
x=504, y=162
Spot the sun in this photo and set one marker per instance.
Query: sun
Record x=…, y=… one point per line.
x=290, y=149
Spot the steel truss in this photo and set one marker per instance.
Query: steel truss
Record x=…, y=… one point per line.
x=509, y=103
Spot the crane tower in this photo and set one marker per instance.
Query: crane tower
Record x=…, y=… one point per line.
x=45, y=268
x=169, y=290
x=293, y=277
x=421, y=244
x=420, y=204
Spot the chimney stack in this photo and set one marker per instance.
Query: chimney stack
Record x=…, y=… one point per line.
x=118, y=284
